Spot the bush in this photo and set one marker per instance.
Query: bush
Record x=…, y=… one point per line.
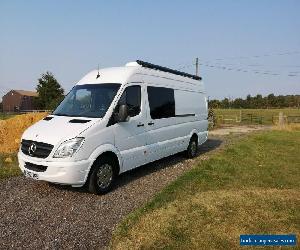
x=212, y=120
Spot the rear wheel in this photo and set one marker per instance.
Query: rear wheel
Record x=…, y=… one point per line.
x=192, y=149
x=102, y=176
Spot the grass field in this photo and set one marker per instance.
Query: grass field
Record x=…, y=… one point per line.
x=250, y=187
x=4, y=116
x=266, y=114
x=9, y=165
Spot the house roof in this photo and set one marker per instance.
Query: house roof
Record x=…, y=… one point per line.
x=26, y=92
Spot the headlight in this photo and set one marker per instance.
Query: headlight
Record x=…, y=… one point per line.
x=68, y=148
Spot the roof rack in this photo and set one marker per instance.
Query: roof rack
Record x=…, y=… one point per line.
x=165, y=69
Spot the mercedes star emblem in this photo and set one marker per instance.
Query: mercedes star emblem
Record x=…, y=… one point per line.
x=32, y=148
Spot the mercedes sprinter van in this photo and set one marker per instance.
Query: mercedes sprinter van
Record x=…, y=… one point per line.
x=113, y=120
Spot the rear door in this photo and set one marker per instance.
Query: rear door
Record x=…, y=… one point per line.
x=130, y=136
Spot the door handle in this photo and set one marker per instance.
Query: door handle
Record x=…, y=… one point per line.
x=151, y=123
x=140, y=125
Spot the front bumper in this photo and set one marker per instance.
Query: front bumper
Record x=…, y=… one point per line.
x=65, y=173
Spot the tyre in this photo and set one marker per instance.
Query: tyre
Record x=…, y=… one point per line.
x=192, y=149
x=103, y=176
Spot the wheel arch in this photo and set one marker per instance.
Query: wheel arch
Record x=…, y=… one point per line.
x=102, y=151
x=194, y=134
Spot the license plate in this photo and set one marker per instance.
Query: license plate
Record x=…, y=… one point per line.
x=31, y=175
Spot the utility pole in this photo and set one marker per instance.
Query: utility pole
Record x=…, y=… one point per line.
x=197, y=66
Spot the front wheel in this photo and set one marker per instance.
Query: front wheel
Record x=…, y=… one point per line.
x=192, y=149
x=102, y=177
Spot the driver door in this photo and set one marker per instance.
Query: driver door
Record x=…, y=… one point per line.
x=130, y=136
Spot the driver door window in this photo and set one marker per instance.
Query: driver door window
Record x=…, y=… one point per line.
x=132, y=98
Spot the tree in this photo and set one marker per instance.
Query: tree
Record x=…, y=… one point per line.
x=215, y=104
x=238, y=103
x=225, y=103
x=249, y=102
x=271, y=100
x=50, y=92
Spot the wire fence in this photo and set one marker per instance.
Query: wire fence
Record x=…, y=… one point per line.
x=250, y=118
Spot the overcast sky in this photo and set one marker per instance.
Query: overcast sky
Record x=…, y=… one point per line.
x=258, y=41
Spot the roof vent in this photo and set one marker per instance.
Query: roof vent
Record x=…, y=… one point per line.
x=48, y=118
x=79, y=121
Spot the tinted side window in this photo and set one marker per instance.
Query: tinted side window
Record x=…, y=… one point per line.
x=161, y=102
x=132, y=98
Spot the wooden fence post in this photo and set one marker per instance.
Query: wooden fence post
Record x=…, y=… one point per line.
x=281, y=120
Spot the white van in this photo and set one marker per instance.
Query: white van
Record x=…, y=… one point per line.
x=114, y=120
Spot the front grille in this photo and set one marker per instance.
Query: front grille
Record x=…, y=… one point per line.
x=34, y=167
x=42, y=150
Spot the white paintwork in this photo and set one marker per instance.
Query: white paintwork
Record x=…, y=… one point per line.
x=133, y=146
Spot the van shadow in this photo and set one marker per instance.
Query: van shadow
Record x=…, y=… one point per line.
x=164, y=163
x=143, y=171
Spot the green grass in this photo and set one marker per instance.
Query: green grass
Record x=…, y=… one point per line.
x=9, y=169
x=250, y=187
x=4, y=116
x=266, y=114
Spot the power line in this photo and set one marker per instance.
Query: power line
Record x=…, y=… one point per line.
x=243, y=70
x=264, y=72
x=240, y=69
x=209, y=63
x=258, y=56
x=257, y=65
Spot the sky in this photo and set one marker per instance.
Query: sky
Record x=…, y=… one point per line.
x=244, y=47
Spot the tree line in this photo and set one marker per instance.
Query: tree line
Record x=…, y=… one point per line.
x=258, y=102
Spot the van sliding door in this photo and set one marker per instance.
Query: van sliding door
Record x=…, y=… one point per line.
x=161, y=121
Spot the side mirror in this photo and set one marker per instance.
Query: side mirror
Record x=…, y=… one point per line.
x=122, y=115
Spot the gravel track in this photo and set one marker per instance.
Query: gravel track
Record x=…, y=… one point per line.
x=36, y=215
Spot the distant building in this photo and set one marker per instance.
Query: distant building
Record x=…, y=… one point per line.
x=18, y=100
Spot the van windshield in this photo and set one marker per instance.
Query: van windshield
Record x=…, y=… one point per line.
x=89, y=100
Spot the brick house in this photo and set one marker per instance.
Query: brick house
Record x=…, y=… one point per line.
x=18, y=100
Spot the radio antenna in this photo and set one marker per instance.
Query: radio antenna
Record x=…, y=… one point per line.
x=98, y=75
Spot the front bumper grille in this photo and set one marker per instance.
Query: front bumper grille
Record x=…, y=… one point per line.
x=34, y=167
x=36, y=149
